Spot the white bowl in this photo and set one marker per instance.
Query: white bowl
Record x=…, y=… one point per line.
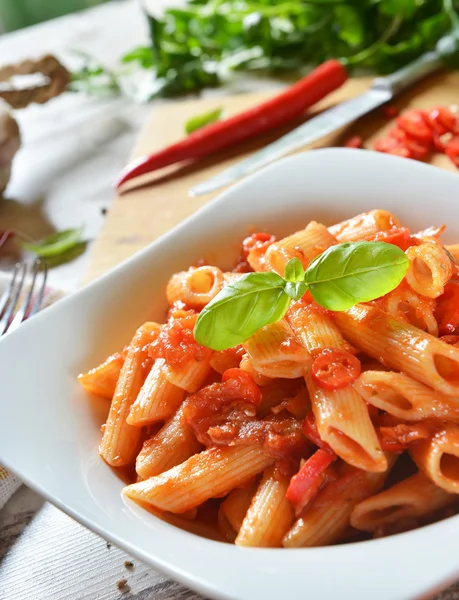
x=50, y=428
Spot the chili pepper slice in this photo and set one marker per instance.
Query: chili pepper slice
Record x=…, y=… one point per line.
x=277, y=111
x=414, y=122
x=335, y=369
x=442, y=120
x=311, y=432
x=309, y=479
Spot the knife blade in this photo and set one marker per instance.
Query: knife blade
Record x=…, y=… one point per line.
x=311, y=131
x=382, y=90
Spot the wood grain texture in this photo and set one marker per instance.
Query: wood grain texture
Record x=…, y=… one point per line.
x=140, y=216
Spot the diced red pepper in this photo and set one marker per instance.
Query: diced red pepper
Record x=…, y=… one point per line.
x=415, y=123
x=442, y=120
x=335, y=369
x=309, y=479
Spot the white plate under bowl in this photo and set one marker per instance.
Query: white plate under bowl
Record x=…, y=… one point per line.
x=50, y=428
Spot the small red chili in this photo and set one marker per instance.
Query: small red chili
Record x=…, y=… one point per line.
x=335, y=369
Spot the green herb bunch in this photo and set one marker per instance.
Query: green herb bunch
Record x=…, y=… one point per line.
x=197, y=46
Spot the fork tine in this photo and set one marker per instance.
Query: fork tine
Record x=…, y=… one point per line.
x=5, y=297
x=13, y=298
x=22, y=312
x=39, y=297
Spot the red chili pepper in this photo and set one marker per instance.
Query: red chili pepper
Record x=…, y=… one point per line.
x=277, y=111
x=452, y=151
x=335, y=369
x=415, y=123
x=353, y=142
x=309, y=479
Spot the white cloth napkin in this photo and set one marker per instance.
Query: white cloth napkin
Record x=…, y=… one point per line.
x=9, y=483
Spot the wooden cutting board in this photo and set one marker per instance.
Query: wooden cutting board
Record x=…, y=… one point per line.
x=139, y=216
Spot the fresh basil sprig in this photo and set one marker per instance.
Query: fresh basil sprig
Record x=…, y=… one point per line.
x=337, y=279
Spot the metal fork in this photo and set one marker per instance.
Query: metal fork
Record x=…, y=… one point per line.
x=13, y=314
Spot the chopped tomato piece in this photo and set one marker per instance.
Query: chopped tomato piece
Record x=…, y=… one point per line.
x=243, y=384
x=398, y=438
x=398, y=236
x=442, y=120
x=415, y=123
x=311, y=432
x=353, y=142
x=447, y=309
x=309, y=479
x=452, y=151
x=176, y=341
x=335, y=369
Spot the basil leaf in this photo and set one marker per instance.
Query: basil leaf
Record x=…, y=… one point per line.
x=55, y=244
x=294, y=271
x=295, y=290
x=240, y=309
x=199, y=121
x=354, y=272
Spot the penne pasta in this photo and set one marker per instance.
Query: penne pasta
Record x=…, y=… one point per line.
x=453, y=249
x=364, y=225
x=246, y=365
x=172, y=445
x=438, y=457
x=210, y=474
x=408, y=306
x=404, y=397
x=414, y=497
x=304, y=245
x=430, y=269
x=275, y=352
x=195, y=287
x=188, y=375
x=270, y=515
x=234, y=508
x=120, y=442
x=344, y=424
x=314, y=328
x=101, y=381
x=402, y=347
x=157, y=400
x=341, y=415
x=326, y=520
